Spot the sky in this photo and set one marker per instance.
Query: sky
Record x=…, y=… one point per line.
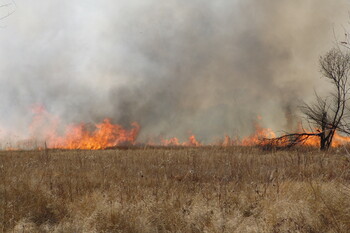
x=177, y=67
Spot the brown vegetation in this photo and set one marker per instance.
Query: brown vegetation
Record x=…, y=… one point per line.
x=233, y=189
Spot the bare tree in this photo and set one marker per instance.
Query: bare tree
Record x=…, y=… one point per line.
x=326, y=115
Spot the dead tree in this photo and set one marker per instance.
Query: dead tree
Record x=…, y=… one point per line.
x=326, y=115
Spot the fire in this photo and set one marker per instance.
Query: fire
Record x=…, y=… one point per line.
x=227, y=141
x=340, y=140
x=51, y=132
x=261, y=136
x=312, y=141
x=171, y=142
x=105, y=135
x=256, y=138
x=97, y=136
x=192, y=142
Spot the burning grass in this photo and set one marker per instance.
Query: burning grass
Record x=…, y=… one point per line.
x=211, y=189
x=47, y=131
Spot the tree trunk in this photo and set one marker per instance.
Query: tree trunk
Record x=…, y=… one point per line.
x=323, y=141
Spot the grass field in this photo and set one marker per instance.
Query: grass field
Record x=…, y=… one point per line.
x=213, y=189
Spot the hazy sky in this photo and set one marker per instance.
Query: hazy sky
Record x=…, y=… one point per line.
x=175, y=66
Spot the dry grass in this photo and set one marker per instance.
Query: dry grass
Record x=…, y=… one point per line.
x=174, y=190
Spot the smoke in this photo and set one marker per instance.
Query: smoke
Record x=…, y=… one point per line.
x=176, y=67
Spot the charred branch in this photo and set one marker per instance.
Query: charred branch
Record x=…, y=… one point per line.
x=287, y=141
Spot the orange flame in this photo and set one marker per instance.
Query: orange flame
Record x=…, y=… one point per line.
x=256, y=138
x=192, y=142
x=227, y=141
x=171, y=142
x=105, y=135
x=45, y=126
x=339, y=140
x=101, y=136
x=313, y=141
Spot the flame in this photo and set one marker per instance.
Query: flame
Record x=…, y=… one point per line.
x=261, y=134
x=49, y=129
x=339, y=140
x=227, y=141
x=192, y=142
x=256, y=138
x=171, y=142
x=105, y=135
x=97, y=136
x=312, y=141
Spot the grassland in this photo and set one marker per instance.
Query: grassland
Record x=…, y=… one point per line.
x=214, y=189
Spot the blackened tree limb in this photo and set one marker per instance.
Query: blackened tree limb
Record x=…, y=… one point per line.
x=288, y=140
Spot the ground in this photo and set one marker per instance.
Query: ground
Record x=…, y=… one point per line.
x=209, y=189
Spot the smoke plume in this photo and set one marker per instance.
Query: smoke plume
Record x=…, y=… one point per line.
x=176, y=67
